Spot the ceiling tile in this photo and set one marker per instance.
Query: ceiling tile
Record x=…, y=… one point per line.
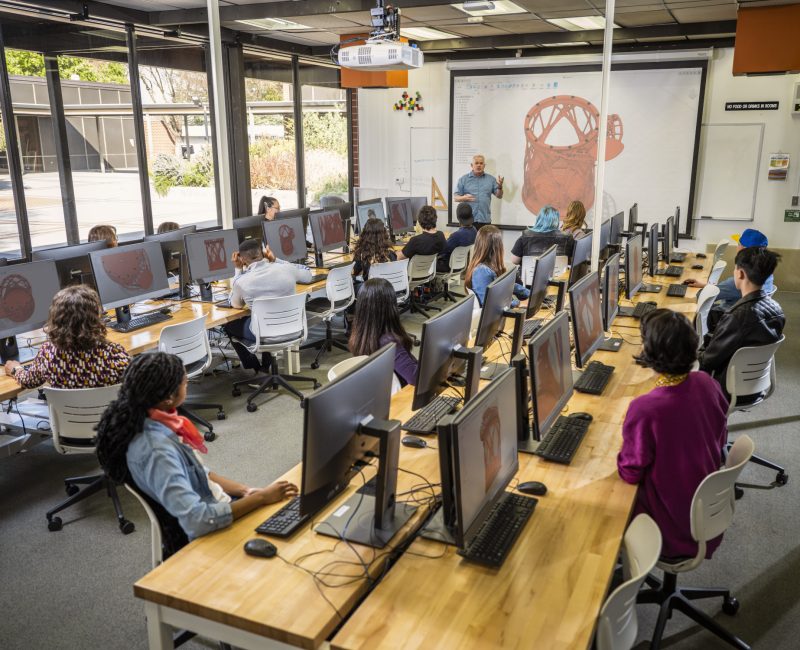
x=476, y=30
x=639, y=18
x=525, y=27
x=705, y=13
x=322, y=21
x=441, y=12
x=360, y=17
x=537, y=6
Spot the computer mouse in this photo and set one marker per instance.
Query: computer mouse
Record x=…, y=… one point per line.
x=582, y=416
x=260, y=548
x=413, y=441
x=697, y=267
x=165, y=310
x=701, y=256
x=533, y=487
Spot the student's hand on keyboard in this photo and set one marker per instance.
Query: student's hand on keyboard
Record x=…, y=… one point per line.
x=277, y=491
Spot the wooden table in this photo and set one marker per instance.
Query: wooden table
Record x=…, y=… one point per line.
x=547, y=593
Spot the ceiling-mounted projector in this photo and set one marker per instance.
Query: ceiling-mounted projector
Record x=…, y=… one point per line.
x=381, y=55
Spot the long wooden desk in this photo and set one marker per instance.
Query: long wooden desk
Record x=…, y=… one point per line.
x=549, y=590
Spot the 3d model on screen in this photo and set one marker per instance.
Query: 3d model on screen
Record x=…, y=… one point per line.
x=490, y=437
x=16, y=298
x=215, y=254
x=129, y=269
x=286, y=235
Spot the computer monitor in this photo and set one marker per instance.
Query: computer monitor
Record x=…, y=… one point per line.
x=587, y=319
x=129, y=274
x=581, y=258
x=417, y=203
x=617, y=226
x=367, y=209
x=497, y=300
x=443, y=349
x=210, y=258
x=171, y=235
x=605, y=234
x=286, y=238
x=72, y=262
x=294, y=213
x=26, y=291
x=633, y=217
x=401, y=219
x=666, y=241
x=328, y=230
x=249, y=228
x=676, y=226
x=542, y=273
x=551, y=373
x=633, y=266
x=345, y=424
x=652, y=249
x=173, y=249
x=610, y=291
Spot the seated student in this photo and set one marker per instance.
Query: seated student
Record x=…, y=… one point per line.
x=77, y=353
x=430, y=241
x=373, y=247
x=575, y=219
x=486, y=264
x=676, y=431
x=167, y=226
x=109, y=233
x=541, y=236
x=142, y=437
x=377, y=323
x=464, y=236
x=756, y=319
x=269, y=207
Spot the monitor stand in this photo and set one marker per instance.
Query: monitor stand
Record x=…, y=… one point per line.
x=437, y=530
x=650, y=288
x=368, y=520
x=206, y=292
x=610, y=344
x=525, y=444
x=491, y=369
x=10, y=351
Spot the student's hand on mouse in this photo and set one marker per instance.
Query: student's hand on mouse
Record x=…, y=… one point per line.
x=237, y=260
x=691, y=282
x=10, y=365
x=277, y=491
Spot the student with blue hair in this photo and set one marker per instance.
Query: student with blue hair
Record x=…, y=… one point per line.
x=536, y=239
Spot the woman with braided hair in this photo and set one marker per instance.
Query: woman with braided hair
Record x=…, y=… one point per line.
x=142, y=437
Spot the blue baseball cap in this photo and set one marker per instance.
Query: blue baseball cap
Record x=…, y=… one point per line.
x=750, y=238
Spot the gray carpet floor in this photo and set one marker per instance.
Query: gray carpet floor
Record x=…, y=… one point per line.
x=73, y=588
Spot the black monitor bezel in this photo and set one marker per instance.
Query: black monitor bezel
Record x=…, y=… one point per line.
x=152, y=295
x=617, y=227
x=370, y=202
x=276, y=249
x=65, y=256
x=249, y=228
x=387, y=209
x=312, y=220
x=608, y=317
x=580, y=269
x=652, y=249
x=29, y=325
x=221, y=275
x=560, y=321
x=630, y=291
x=633, y=217
x=495, y=298
x=582, y=355
x=172, y=235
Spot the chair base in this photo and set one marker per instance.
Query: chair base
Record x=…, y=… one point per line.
x=781, y=477
x=670, y=598
x=93, y=485
x=325, y=345
x=187, y=410
x=273, y=379
x=416, y=306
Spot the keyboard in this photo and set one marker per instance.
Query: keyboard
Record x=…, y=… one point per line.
x=563, y=439
x=678, y=257
x=315, y=278
x=678, y=290
x=643, y=308
x=530, y=327
x=425, y=420
x=500, y=530
x=671, y=271
x=594, y=378
x=284, y=522
x=140, y=322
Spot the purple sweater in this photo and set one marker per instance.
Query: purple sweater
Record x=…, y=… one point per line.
x=672, y=439
x=405, y=365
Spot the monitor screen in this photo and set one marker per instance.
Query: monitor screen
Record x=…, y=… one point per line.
x=286, y=238
x=72, y=262
x=633, y=217
x=617, y=226
x=551, y=372
x=401, y=219
x=675, y=226
x=499, y=295
x=294, y=213
x=652, y=249
x=484, y=445
x=368, y=209
x=129, y=274
x=633, y=266
x=441, y=334
x=327, y=230
x=172, y=235
x=605, y=234
x=542, y=273
x=26, y=291
x=417, y=203
x=581, y=258
x=610, y=291
x=249, y=228
x=666, y=242
x=332, y=446
x=587, y=322
x=210, y=255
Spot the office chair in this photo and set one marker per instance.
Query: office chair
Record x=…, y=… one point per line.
x=397, y=274
x=278, y=324
x=720, y=250
x=716, y=272
x=340, y=294
x=189, y=341
x=421, y=271
x=330, y=200
x=459, y=259
x=74, y=413
x=617, y=624
x=711, y=514
x=705, y=300
x=343, y=366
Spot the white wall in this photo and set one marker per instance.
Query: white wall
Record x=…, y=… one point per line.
x=384, y=140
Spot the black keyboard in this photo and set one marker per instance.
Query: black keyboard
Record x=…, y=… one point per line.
x=562, y=441
x=425, y=420
x=140, y=322
x=671, y=271
x=643, y=308
x=284, y=522
x=315, y=278
x=500, y=530
x=678, y=257
x=594, y=378
x=678, y=290
x=530, y=327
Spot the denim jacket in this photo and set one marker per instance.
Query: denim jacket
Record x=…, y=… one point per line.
x=166, y=470
x=483, y=276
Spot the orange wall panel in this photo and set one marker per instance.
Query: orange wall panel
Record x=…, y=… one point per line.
x=767, y=40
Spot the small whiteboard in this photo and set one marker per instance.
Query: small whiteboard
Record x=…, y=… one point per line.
x=727, y=177
x=429, y=160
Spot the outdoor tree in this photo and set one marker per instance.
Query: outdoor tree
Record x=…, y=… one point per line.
x=31, y=64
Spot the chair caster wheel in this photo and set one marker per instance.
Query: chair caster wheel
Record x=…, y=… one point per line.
x=221, y=415
x=127, y=527
x=314, y=365
x=71, y=490
x=317, y=384
x=730, y=606
x=236, y=392
x=252, y=407
x=782, y=478
x=209, y=436
x=738, y=492
x=54, y=524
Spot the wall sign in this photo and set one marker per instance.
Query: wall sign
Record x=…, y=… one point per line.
x=751, y=106
x=791, y=215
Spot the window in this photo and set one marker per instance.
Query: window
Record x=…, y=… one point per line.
x=10, y=244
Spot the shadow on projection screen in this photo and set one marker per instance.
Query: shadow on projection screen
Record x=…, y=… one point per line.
x=538, y=129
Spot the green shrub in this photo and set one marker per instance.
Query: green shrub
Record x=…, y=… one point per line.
x=167, y=173
x=200, y=171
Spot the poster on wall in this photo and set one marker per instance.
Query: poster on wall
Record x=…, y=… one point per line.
x=778, y=166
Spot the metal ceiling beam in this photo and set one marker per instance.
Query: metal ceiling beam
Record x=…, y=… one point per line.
x=75, y=7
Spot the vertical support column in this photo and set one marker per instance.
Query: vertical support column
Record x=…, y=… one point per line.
x=350, y=144
x=235, y=97
x=62, y=147
x=212, y=119
x=186, y=141
x=221, y=122
x=299, y=149
x=138, y=130
x=13, y=154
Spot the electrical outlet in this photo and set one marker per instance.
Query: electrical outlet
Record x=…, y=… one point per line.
x=795, y=201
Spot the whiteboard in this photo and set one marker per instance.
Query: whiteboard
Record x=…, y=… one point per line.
x=727, y=176
x=429, y=161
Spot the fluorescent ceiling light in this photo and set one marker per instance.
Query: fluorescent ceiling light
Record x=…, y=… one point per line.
x=580, y=23
x=272, y=24
x=501, y=7
x=564, y=44
x=425, y=34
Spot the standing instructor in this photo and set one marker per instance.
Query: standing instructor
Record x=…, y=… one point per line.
x=477, y=187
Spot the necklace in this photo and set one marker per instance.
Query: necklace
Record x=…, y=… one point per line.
x=665, y=379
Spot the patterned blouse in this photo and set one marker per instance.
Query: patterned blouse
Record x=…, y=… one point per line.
x=101, y=366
